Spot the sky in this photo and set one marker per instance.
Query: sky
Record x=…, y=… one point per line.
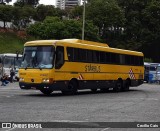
x=45, y=2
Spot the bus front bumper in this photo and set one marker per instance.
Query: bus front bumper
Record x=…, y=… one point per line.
x=38, y=86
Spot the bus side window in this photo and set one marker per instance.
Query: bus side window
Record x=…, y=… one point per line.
x=59, y=57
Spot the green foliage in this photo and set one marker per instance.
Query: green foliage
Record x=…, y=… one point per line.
x=22, y=16
x=5, y=14
x=5, y=1
x=10, y=42
x=76, y=13
x=128, y=24
x=142, y=25
x=46, y=10
x=151, y=21
x=148, y=60
x=107, y=16
x=55, y=28
x=72, y=29
x=48, y=29
x=91, y=31
x=22, y=3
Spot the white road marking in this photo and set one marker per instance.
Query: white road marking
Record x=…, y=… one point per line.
x=10, y=129
x=105, y=129
x=68, y=121
x=155, y=99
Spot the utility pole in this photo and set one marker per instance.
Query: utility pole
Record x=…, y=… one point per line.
x=84, y=12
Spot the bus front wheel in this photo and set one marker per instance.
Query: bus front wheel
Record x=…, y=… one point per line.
x=94, y=90
x=72, y=87
x=104, y=89
x=46, y=91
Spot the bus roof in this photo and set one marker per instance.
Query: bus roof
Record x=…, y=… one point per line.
x=52, y=42
x=82, y=44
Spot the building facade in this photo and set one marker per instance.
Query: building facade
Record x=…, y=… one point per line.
x=63, y=4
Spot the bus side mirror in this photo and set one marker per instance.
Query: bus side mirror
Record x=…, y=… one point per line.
x=0, y=60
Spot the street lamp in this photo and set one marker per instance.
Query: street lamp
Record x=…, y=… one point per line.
x=84, y=10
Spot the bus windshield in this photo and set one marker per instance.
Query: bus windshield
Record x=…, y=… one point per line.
x=38, y=57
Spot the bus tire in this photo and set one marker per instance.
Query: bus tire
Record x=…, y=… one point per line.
x=94, y=90
x=118, y=86
x=72, y=87
x=104, y=89
x=46, y=91
x=126, y=86
x=65, y=92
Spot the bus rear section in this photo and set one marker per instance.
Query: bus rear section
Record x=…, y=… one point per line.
x=71, y=65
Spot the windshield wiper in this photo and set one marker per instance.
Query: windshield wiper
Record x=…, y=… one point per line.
x=26, y=67
x=40, y=67
x=34, y=61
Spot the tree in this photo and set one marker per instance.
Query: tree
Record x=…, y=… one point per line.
x=31, y=2
x=22, y=16
x=3, y=2
x=133, y=12
x=151, y=30
x=46, y=10
x=107, y=16
x=22, y=3
x=56, y=28
x=17, y=15
x=5, y=14
x=142, y=26
x=76, y=12
x=48, y=29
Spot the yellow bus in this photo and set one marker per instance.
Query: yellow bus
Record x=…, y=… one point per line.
x=69, y=65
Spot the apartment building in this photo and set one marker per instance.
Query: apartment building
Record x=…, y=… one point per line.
x=63, y=4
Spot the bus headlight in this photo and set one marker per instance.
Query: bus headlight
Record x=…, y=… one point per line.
x=47, y=80
x=21, y=79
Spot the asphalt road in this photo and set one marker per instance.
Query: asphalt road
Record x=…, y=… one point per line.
x=140, y=104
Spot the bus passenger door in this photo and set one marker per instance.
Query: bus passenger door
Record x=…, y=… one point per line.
x=59, y=62
x=59, y=57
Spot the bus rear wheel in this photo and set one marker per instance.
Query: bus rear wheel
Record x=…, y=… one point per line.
x=46, y=91
x=126, y=86
x=118, y=87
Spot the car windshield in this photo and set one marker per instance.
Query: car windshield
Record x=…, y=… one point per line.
x=38, y=57
x=158, y=68
x=8, y=62
x=152, y=68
